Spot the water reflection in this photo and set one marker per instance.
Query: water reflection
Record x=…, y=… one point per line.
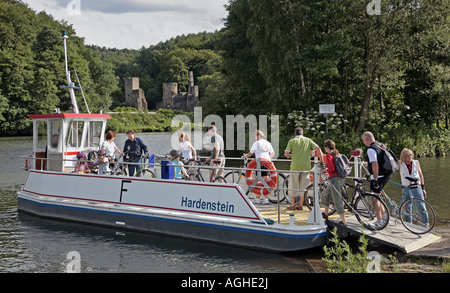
x=109, y=250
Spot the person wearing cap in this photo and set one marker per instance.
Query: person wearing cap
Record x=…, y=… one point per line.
x=102, y=162
x=81, y=166
x=175, y=156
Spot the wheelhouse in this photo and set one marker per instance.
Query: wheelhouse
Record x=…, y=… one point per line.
x=59, y=137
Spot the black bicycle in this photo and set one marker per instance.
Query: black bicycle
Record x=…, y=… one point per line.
x=121, y=168
x=367, y=206
x=194, y=168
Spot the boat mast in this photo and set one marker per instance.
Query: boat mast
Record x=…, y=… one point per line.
x=70, y=84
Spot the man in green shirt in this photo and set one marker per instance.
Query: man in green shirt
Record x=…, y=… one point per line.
x=299, y=149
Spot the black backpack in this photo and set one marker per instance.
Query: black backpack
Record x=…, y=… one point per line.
x=342, y=165
x=387, y=160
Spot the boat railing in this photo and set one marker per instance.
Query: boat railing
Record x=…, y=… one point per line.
x=281, y=190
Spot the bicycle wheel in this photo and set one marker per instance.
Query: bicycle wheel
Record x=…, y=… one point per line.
x=417, y=216
x=195, y=177
x=219, y=179
x=147, y=173
x=237, y=178
x=365, y=211
x=279, y=193
x=309, y=198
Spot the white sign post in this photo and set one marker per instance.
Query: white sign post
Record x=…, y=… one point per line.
x=326, y=109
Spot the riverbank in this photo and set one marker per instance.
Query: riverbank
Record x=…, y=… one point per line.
x=125, y=118
x=433, y=258
x=429, y=259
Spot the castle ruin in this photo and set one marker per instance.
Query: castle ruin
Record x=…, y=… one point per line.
x=134, y=96
x=185, y=101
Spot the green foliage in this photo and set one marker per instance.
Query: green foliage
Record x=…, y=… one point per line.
x=423, y=141
x=386, y=70
x=125, y=118
x=446, y=267
x=32, y=68
x=341, y=259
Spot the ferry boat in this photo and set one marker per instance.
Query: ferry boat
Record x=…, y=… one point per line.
x=216, y=212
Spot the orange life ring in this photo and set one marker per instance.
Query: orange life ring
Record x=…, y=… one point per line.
x=259, y=188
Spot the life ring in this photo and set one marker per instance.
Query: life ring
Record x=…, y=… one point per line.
x=259, y=188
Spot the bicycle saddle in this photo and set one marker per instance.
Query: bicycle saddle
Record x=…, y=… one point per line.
x=359, y=180
x=412, y=179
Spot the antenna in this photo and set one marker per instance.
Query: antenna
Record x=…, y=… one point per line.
x=70, y=84
x=82, y=93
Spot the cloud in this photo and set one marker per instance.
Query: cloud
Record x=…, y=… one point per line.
x=134, y=23
x=143, y=6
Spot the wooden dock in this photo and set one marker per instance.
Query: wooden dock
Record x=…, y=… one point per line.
x=394, y=235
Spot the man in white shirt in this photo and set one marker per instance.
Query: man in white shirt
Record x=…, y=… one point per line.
x=261, y=147
x=377, y=180
x=262, y=150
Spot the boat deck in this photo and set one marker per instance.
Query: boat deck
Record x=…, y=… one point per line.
x=270, y=211
x=394, y=235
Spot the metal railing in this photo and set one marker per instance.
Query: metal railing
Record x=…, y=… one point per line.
x=315, y=217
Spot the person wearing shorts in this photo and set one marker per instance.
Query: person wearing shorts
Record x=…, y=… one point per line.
x=217, y=158
x=298, y=149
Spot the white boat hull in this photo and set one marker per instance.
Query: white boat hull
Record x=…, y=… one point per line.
x=204, y=211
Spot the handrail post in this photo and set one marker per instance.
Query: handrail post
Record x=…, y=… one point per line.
x=278, y=196
x=315, y=216
x=356, y=166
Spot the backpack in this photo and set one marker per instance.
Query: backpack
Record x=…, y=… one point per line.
x=387, y=160
x=342, y=165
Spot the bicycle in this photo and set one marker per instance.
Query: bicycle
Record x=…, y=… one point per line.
x=195, y=174
x=416, y=215
x=122, y=168
x=363, y=205
x=323, y=184
x=238, y=176
x=309, y=193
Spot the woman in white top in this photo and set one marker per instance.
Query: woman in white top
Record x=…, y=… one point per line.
x=411, y=168
x=110, y=147
x=262, y=150
x=186, y=147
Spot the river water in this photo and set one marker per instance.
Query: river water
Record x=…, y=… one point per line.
x=31, y=244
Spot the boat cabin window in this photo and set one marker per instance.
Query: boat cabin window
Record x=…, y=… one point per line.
x=55, y=133
x=75, y=134
x=95, y=132
x=41, y=134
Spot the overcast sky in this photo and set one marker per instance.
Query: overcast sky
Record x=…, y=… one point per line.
x=134, y=23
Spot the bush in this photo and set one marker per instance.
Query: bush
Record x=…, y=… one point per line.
x=142, y=121
x=423, y=141
x=340, y=258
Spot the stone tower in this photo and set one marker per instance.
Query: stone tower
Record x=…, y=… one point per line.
x=170, y=90
x=134, y=96
x=185, y=101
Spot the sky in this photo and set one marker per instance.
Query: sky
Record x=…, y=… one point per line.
x=134, y=24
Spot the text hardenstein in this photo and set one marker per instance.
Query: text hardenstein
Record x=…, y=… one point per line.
x=213, y=206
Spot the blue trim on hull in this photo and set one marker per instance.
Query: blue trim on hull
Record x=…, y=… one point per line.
x=177, y=221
